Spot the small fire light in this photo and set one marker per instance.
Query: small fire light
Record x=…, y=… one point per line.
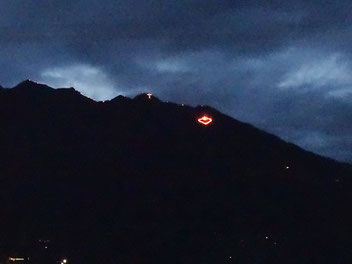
x=205, y=120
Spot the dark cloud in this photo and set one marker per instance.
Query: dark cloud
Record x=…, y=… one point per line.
x=283, y=66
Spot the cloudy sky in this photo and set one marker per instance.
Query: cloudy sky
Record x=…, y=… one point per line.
x=284, y=66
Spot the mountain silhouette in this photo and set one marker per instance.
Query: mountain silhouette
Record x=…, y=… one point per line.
x=142, y=181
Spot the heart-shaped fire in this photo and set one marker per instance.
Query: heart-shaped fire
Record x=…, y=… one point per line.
x=205, y=120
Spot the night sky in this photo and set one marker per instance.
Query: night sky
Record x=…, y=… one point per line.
x=283, y=66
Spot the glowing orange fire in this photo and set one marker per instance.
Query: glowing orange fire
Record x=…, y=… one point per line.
x=205, y=120
x=149, y=95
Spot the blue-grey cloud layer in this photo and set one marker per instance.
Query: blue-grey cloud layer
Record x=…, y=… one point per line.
x=283, y=66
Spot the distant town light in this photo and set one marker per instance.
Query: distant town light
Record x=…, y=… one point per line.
x=64, y=261
x=149, y=95
x=16, y=259
x=205, y=120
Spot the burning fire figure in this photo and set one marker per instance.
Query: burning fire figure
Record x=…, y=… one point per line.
x=205, y=120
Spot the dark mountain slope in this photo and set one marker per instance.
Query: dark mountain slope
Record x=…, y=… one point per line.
x=141, y=181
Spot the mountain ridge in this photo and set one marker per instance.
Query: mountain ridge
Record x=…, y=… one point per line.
x=32, y=86
x=140, y=180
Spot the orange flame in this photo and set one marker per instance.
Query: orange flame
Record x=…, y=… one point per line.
x=205, y=120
